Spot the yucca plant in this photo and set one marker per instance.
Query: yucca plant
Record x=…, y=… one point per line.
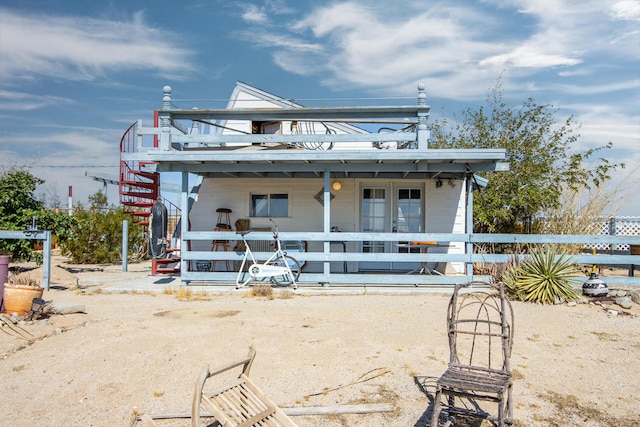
x=544, y=277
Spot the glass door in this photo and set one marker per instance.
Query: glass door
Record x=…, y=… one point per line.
x=375, y=219
x=408, y=219
x=391, y=208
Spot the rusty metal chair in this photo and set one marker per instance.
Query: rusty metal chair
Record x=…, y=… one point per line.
x=480, y=328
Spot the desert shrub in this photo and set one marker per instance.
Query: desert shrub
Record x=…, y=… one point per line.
x=95, y=235
x=544, y=277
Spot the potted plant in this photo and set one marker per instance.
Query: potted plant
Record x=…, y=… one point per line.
x=19, y=292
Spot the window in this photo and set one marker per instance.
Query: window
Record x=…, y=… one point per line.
x=270, y=205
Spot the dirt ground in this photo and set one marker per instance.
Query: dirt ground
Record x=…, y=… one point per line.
x=137, y=352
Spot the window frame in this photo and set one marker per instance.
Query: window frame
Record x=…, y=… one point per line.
x=270, y=196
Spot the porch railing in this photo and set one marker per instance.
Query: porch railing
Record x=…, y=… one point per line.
x=353, y=240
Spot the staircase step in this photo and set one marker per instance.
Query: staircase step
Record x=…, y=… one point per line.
x=140, y=194
x=140, y=184
x=156, y=263
x=143, y=214
x=145, y=174
x=139, y=204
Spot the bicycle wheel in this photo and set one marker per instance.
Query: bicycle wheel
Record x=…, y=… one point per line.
x=285, y=279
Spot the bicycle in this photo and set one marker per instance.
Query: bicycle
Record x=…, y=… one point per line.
x=281, y=269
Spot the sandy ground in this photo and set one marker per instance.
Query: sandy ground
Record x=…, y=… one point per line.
x=139, y=352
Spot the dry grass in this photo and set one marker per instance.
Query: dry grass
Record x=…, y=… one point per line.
x=578, y=213
x=570, y=411
x=183, y=293
x=606, y=336
x=262, y=290
x=22, y=279
x=285, y=294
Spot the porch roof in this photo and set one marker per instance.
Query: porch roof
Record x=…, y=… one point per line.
x=252, y=162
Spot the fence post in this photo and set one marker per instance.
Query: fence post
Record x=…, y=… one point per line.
x=612, y=232
x=125, y=245
x=46, y=260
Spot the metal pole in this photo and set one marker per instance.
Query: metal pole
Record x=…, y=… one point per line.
x=125, y=245
x=70, y=200
x=46, y=260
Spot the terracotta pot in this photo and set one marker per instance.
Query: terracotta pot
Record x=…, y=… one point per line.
x=18, y=299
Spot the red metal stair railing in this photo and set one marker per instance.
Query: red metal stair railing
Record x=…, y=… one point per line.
x=139, y=189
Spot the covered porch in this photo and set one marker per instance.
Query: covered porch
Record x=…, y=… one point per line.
x=237, y=160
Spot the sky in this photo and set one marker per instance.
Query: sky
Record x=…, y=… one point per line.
x=75, y=75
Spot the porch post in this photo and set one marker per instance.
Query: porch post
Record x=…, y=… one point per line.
x=184, y=223
x=326, y=223
x=423, y=134
x=164, y=116
x=469, y=223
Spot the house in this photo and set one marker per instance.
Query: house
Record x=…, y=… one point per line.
x=357, y=187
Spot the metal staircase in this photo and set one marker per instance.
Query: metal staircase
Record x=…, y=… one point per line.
x=139, y=189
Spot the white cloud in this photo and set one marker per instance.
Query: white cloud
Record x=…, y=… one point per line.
x=252, y=13
x=81, y=48
x=289, y=43
x=262, y=14
x=368, y=48
x=601, y=123
x=20, y=101
x=609, y=87
x=458, y=51
x=626, y=10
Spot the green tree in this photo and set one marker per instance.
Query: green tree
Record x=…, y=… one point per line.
x=19, y=208
x=541, y=157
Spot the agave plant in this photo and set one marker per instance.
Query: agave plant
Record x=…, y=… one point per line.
x=543, y=278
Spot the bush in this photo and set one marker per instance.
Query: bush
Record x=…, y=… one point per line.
x=544, y=277
x=95, y=234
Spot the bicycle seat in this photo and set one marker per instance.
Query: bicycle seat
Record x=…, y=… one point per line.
x=243, y=232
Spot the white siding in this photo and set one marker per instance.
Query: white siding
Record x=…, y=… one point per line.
x=305, y=213
x=445, y=213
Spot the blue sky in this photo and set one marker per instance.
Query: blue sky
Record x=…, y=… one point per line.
x=74, y=75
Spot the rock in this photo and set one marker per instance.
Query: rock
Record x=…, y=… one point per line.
x=612, y=312
x=617, y=293
x=58, y=331
x=572, y=304
x=624, y=302
x=635, y=296
x=66, y=308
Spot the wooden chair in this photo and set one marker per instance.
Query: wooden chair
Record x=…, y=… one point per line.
x=239, y=403
x=480, y=327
